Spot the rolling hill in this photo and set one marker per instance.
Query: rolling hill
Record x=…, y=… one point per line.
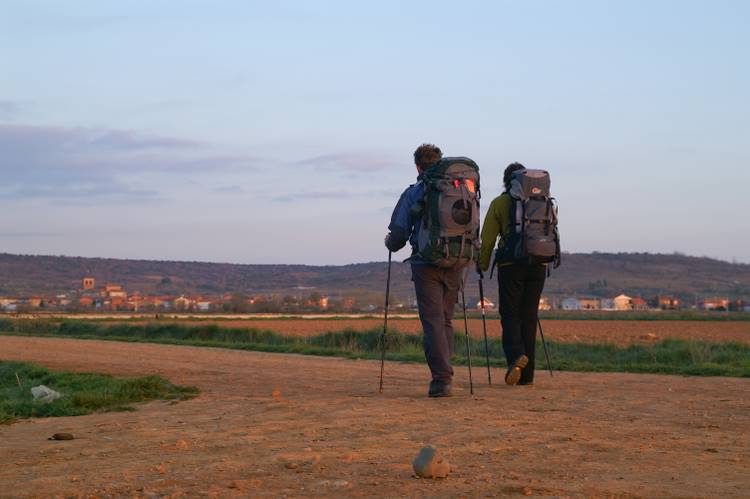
x=598, y=274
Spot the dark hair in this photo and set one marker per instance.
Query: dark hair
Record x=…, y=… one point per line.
x=513, y=167
x=427, y=155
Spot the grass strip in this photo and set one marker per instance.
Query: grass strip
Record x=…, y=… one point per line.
x=666, y=357
x=83, y=393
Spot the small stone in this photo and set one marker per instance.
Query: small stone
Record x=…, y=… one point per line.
x=291, y=466
x=527, y=491
x=42, y=393
x=181, y=444
x=276, y=394
x=429, y=464
x=62, y=436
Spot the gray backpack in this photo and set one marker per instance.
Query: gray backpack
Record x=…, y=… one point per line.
x=534, y=236
x=449, y=235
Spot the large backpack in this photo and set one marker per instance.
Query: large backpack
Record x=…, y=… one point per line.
x=449, y=234
x=534, y=236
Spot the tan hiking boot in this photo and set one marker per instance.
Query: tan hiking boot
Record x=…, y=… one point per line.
x=514, y=371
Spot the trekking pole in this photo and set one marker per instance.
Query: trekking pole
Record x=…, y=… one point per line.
x=484, y=326
x=466, y=333
x=385, y=322
x=544, y=344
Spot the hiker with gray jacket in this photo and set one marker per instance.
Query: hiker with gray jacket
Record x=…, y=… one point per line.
x=439, y=217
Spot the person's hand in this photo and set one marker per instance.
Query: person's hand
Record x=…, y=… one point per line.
x=387, y=240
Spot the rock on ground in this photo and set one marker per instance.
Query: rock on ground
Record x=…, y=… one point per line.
x=430, y=464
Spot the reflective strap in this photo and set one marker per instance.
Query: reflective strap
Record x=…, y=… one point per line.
x=519, y=217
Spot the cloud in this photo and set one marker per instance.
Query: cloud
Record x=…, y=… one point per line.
x=85, y=194
x=312, y=195
x=8, y=109
x=353, y=162
x=27, y=234
x=230, y=189
x=133, y=141
x=73, y=165
x=322, y=195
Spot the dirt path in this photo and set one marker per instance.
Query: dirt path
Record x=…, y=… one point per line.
x=329, y=433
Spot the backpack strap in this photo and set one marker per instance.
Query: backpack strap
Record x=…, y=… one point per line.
x=518, y=214
x=558, y=252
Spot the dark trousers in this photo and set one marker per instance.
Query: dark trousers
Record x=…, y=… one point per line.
x=437, y=294
x=520, y=289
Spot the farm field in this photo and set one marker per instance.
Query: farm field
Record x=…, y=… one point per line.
x=275, y=425
x=619, y=332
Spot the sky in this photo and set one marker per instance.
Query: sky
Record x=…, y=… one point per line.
x=283, y=132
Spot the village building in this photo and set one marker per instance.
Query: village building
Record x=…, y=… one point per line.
x=607, y=304
x=63, y=300
x=737, y=305
x=34, y=301
x=114, y=291
x=668, y=302
x=487, y=304
x=135, y=302
x=86, y=301
x=639, y=303
x=623, y=302
x=589, y=304
x=544, y=304
x=715, y=303
x=204, y=305
x=571, y=304
x=183, y=303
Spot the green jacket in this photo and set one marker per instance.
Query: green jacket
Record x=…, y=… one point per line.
x=496, y=223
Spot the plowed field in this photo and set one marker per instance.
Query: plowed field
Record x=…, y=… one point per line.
x=587, y=331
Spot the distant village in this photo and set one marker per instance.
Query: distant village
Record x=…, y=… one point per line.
x=112, y=297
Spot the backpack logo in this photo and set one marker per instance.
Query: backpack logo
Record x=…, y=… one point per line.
x=536, y=190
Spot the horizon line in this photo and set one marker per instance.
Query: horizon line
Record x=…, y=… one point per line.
x=590, y=253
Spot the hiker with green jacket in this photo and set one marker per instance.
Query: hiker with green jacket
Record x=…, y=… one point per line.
x=525, y=227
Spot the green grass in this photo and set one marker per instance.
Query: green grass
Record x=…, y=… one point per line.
x=83, y=393
x=666, y=357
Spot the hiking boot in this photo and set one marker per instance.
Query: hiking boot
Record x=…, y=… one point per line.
x=440, y=389
x=514, y=370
